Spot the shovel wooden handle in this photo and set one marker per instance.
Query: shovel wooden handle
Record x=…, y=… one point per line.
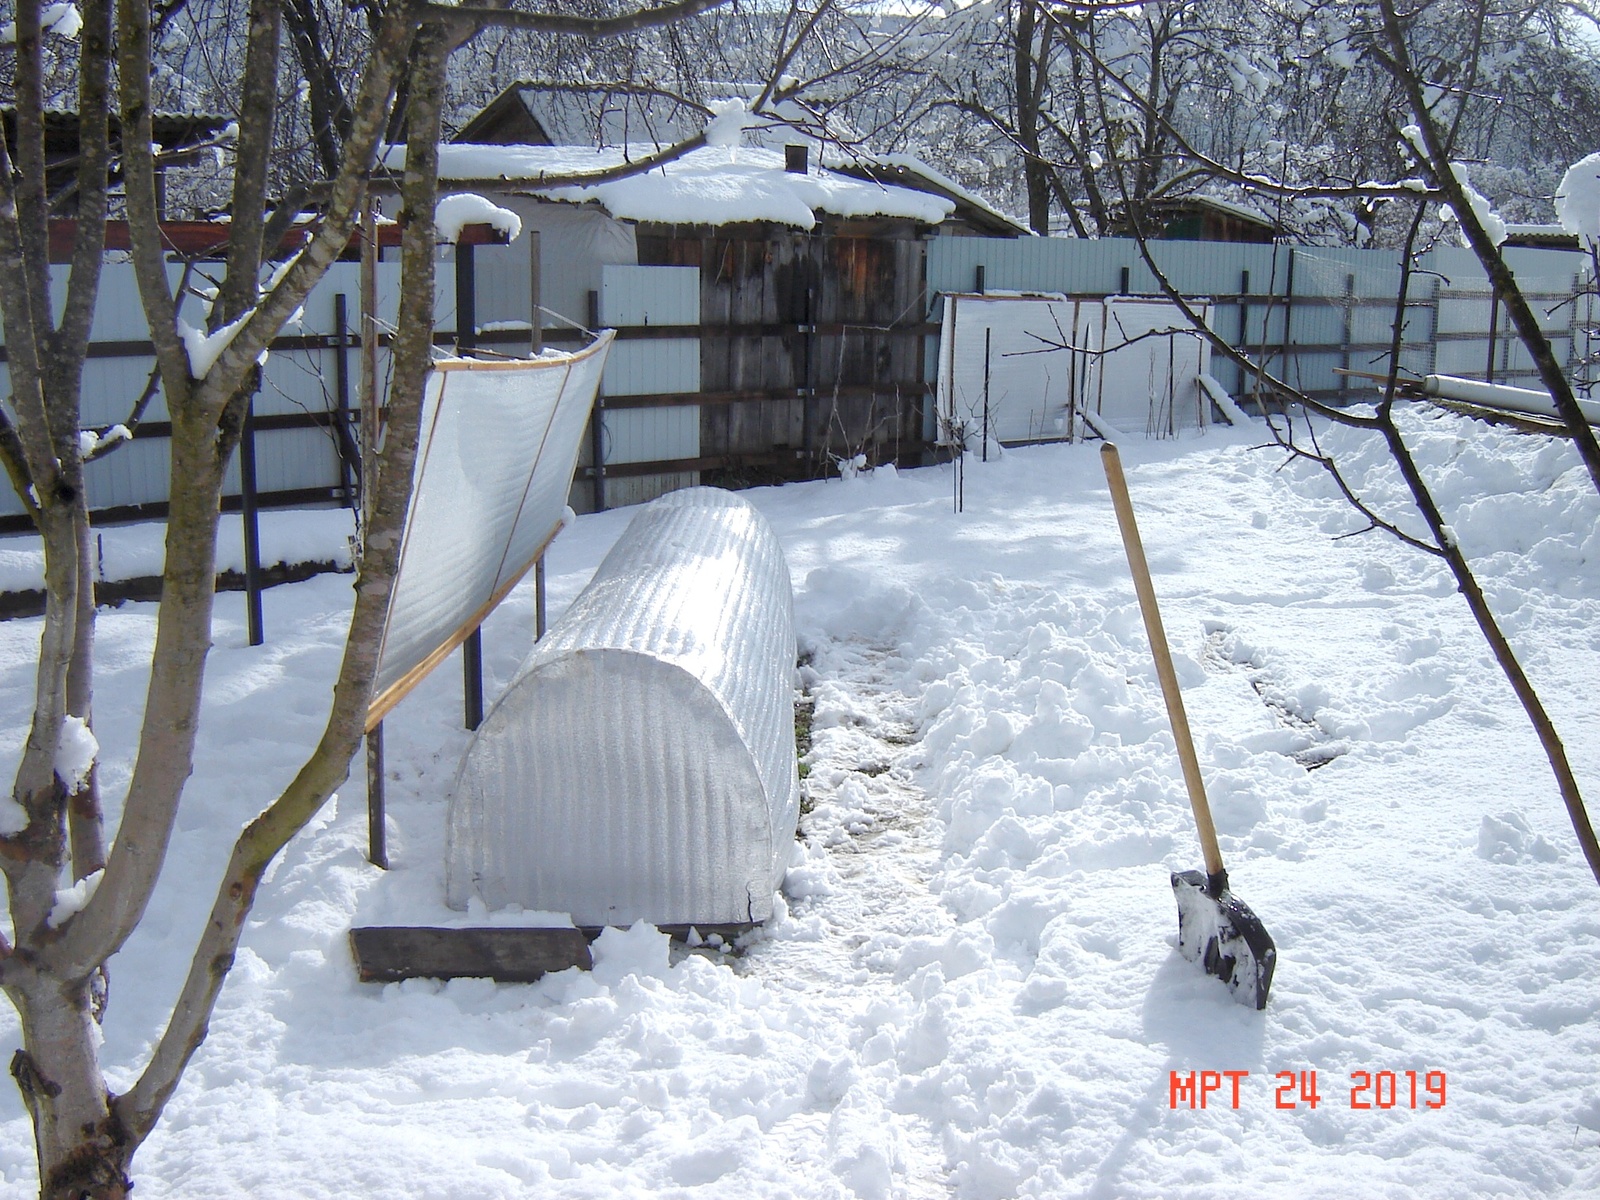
x=1163, y=656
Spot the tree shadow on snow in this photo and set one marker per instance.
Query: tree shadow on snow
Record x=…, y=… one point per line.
x=1202, y=1028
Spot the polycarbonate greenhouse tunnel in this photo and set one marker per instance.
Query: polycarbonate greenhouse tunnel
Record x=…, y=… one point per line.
x=641, y=764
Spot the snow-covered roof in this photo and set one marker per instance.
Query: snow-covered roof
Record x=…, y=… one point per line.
x=886, y=167
x=709, y=186
x=1229, y=208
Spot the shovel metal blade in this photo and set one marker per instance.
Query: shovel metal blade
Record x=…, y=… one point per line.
x=1218, y=930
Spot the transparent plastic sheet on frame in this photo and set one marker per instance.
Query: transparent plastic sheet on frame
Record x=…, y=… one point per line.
x=641, y=765
x=498, y=447
x=1034, y=362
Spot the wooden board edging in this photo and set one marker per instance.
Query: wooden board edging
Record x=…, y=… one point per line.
x=504, y=953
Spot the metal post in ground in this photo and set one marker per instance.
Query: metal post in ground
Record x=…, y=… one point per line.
x=986, y=334
x=466, y=342
x=252, y=528
x=597, y=422
x=1244, y=327
x=538, y=599
x=472, y=679
x=1494, y=332
x=377, y=839
x=343, y=440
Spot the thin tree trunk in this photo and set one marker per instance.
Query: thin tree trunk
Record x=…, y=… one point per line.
x=329, y=764
x=85, y=820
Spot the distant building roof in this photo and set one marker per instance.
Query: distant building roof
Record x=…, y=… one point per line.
x=637, y=123
x=1212, y=219
x=1540, y=237
x=708, y=186
x=536, y=114
x=173, y=131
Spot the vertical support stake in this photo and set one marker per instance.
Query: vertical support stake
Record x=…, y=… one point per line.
x=1494, y=331
x=349, y=452
x=535, y=288
x=539, y=625
x=1288, y=315
x=472, y=679
x=1346, y=332
x=466, y=300
x=377, y=837
x=1244, y=327
x=597, y=422
x=986, y=334
x=252, y=528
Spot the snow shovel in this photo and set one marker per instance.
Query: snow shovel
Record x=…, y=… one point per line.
x=1215, y=927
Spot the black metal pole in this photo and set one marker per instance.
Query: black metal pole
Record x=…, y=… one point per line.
x=466, y=341
x=536, y=299
x=538, y=599
x=986, y=332
x=377, y=838
x=597, y=422
x=1347, y=332
x=466, y=300
x=472, y=679
x=344, y=440
x=1288, y=316
x=252, y=529
x=1244, y=327
x=1494, y=332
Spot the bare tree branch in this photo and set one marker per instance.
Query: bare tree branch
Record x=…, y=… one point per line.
x=474, y=18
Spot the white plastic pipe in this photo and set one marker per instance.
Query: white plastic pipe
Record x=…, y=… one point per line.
x=1498, y=395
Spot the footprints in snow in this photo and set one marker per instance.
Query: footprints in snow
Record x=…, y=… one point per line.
x=1316, y=747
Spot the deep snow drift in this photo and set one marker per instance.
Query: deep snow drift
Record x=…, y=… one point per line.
x=974, y=989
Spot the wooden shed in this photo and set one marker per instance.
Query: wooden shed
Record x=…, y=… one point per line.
x=812, y=324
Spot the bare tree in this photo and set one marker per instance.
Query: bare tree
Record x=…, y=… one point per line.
x=53, y=967
x=1439, y=97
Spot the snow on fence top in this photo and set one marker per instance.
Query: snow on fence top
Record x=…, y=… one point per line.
x=499, y=444
x=641, y=765
x=711, y=186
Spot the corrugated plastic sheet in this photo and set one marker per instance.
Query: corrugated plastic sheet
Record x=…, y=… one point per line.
x=1032, y=361
x=641, y=765
x=499, y=444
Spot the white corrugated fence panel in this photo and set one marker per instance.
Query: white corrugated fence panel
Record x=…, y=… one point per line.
x=1150, y=368
x=649, y=295
x=638, y=297
x=1009, y=361
x=653, y=366
x=641, y=765
x=1033, y=362
x=651, y=434
x=294, y=381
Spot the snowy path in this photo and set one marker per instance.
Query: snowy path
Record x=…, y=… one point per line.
x=974, y=993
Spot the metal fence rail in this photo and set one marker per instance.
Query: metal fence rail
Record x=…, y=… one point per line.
x=304, y=446
x=1304, y=312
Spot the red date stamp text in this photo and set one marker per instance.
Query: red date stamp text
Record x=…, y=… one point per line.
x=1299, y=1089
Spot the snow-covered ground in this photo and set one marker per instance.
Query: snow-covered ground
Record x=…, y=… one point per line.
x=973, y=989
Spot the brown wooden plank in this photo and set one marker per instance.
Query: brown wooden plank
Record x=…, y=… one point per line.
x=389, y=953
x=506, y=954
